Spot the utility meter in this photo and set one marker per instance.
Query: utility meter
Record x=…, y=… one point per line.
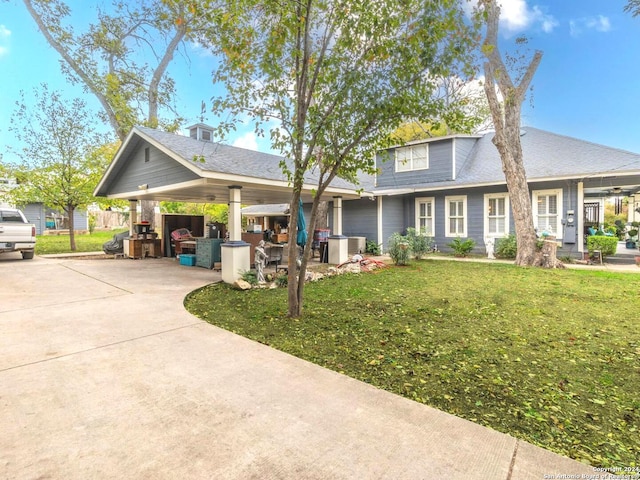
x=570, y=227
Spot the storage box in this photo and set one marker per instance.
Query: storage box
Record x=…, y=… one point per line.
x=188, y=260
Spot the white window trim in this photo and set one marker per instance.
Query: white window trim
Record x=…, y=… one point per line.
x=507, y=210
x=433, y=214
x=534, y=208
x=456, y=198
x=411, y=169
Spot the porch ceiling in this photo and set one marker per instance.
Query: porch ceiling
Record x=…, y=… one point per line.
x=623, y=189
x=207, y=190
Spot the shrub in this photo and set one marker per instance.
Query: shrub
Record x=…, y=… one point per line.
x=372, y=247
x=462, y=248
x=251, y=277
x=506, y=247
x=399, y=249
x=606, y=245
x=282, y=280
x=420, y=244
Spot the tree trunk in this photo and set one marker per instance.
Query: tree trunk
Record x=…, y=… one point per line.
x=547, y=256
x=507, y=141
x=148, y=212
x=322, y=217
x=293, y=275
x=506, y=119
x=72, y=234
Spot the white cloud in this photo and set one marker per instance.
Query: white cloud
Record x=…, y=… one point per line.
x=517, y=16
x=4, y=34
x=598, y=23
x=248, y=141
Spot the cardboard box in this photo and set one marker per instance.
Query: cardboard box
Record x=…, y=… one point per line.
x=187, y=259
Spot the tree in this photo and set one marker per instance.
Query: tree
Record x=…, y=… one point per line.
x=338, y=77
x=60, y=165
x=506, y=120
x=112, y=59
x=123, y=58
x=633, y=7
x=216, y=211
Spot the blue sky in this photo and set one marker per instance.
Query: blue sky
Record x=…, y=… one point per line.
x=586, y=86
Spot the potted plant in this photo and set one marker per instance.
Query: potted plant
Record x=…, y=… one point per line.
x=633, y=237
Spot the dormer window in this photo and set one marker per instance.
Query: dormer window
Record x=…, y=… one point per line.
x=415, y=157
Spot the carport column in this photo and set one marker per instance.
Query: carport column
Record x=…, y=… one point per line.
x=133, y=216
x=580, y=225
x=338, y=243
x=235, y=252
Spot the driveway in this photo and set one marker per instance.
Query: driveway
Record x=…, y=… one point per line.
x=103, y=374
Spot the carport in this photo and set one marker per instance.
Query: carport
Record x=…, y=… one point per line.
x=161, y=166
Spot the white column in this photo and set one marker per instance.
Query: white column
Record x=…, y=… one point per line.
x=235, y=216
x=337, y=215
x=235, y=254
x=580, y=219
x=133, y=215
x=338, y=243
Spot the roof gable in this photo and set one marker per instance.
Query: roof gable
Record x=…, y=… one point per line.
x=546, y=155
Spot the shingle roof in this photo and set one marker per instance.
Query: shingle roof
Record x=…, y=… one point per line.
x=546, y=155
x=232, y=160
x=266, y=210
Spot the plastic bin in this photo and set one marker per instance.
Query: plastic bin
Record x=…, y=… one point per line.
x=187, y=260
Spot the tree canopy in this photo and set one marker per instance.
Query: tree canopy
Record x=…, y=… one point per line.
x=335, y=78
x=122, y=58
x=60, y=153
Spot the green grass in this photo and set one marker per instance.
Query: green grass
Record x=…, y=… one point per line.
x=548, y=356
x=52, y=244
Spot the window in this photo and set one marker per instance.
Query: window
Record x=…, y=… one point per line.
x=496, y=221
x=412, y=158
x=9, y=216
x=424, y=216
x=547, y=205
x=456, y=208
x=146, y=155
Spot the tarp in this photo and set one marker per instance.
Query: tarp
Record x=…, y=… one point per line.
x=301, y=237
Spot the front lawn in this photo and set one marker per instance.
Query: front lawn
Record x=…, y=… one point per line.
x=548, y=356
x=89, y=242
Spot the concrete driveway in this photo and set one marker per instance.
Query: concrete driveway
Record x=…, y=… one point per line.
x=103, y=374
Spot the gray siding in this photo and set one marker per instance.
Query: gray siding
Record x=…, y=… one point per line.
x=399, y=212
x=36, y=215
x=393, y=218
x=360, y=219
x=160, y=170
x=440, y=167
x=80, y=220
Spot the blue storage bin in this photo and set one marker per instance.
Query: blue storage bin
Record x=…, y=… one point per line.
x=188, y=260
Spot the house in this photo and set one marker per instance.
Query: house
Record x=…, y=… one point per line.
x=447, y=187
x=42, y=217
x=454, y=187
x=155, y=165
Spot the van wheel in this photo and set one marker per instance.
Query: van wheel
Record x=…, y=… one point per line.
x=27, y=255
